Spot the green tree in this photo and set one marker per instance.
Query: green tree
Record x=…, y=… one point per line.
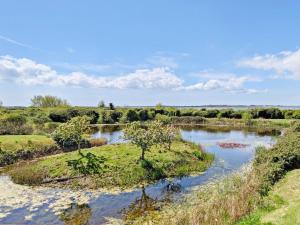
x=169, y=134
x=140, y=136
x=48, y=101
x=247, y=117
x=111, y=106
x=101, y=104
x=71, y=132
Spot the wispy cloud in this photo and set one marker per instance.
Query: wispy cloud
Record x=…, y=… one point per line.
x=29, y=72
x=14, y=42
x=285, y=64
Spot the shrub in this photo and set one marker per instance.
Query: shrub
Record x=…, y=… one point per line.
x=87, y=164
x=163, y=118
x=130, y=116
x=61, y=116
x=97, y=142
x=188, y=120
x=70, y=134
x=14, y=124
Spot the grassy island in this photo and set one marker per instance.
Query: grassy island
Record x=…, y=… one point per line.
x=122, y=167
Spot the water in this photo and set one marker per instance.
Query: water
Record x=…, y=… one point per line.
x=25, y=205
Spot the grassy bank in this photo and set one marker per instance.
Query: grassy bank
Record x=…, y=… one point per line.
x=122, y=167
x=236, y=197
x=16, y=147
x=281, y=206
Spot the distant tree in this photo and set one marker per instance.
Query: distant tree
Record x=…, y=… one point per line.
x=1, y=103
x=247, y=117
x=101, y=104
x=111, y=106
x=48, y=101
x=159, y=105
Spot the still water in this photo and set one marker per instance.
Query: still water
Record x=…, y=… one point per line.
x=26, y=205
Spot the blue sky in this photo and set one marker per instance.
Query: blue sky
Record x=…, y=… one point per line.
x=143, y=52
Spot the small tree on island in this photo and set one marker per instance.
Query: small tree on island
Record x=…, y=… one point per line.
x=140, y=136
x=71, y=132
x=153, y=133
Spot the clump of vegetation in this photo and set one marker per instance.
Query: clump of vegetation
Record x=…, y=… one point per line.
x=48, y=101
x=87, y=164
x=14, y=124
x=146, y=136
x=70, y=134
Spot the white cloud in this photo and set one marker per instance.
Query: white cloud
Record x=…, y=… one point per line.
x=28, y=72
x=285, y=64
x=228, y=84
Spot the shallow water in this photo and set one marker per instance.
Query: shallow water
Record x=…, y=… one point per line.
x=25, y=205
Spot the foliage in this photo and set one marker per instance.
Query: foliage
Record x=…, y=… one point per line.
x=247, y=117
x=111, y=106
x=87, y=164
x=130, y=116
x=71, y=132
x=14, y=124
x=163, y=118
x=140, y=136
x=101, y=104
x=48, y=101
x=273, y=163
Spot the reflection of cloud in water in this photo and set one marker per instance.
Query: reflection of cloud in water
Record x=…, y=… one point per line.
x=14, y=196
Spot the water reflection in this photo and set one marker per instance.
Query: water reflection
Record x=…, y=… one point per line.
x=76, y=214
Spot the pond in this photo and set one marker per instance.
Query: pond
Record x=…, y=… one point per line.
x=26, y=205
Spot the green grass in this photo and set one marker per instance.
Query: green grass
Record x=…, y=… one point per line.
x=17, y=147
x=282, y=204
x=123, y=168
x=16, y=142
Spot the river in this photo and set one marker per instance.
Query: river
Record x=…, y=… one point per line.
x=41, y=205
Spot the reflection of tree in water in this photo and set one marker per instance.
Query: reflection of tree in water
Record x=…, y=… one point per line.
x=141, y=206
x=76, y=214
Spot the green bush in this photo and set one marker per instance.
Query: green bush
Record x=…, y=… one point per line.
x=273, y=163
x=188, y=120
x=14, y=124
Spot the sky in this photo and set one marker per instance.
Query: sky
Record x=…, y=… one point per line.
x=144, y=52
